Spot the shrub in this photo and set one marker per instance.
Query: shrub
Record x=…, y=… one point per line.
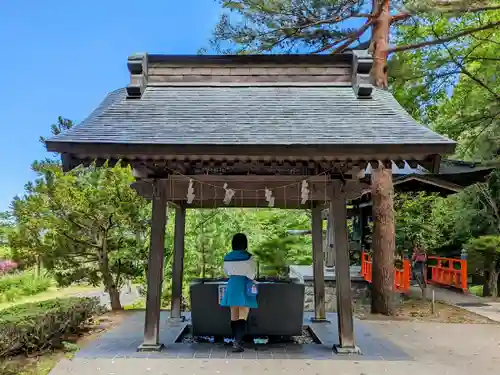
x=15, y=286
x=37, y=326
x=7, y=266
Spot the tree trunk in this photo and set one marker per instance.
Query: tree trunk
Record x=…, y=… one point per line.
x=498, y=286
x=38, y=266
x=114, y=297
x=493, y=279
x=384, y=241
x=380, y=42
x=107, y=278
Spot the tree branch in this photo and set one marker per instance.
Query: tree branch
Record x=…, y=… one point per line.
x=355, y=35
x=80, y=241
x=443, y=40
x=484, y=128
x=474, y=9
x=400, y=17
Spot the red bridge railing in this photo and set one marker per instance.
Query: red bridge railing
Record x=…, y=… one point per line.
x=443, y=271
x=448, y=271
x=402, y=276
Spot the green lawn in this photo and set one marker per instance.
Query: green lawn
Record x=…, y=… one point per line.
x=51, y=293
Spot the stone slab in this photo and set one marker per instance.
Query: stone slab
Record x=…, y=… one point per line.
x=305, y=273
x=123, y=341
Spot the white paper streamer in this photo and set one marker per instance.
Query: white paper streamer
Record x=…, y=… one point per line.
x=190, y=193
x=229, y=194
x=269, y=198
x=304, y=191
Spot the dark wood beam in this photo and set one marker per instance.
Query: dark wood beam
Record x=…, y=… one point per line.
x=338, y=217
x=318, y=267
x=155, y=272
x=341, y=152
x=249, y=191
x=178, y=263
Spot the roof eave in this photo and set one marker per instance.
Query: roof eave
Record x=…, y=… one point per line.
x=156, y=150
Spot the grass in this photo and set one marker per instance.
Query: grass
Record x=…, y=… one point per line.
x=52, y=292
x=138, y=305
x=476, y=290
x=18, y=285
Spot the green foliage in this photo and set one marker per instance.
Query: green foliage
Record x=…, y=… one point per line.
x=6, y=227
x=251, y=26
x=414, y=225
x=99, y=225
x=483, y=251
x=84, y=225
x=37, y=326
x=485, y=246
x=208, y=238
x=452, y=86
x=19, y=285
x=275, y=254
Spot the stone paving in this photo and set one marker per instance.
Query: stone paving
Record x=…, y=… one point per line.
x=126, y=297
x=122, y=342
x=389, y=347
x=432, y=348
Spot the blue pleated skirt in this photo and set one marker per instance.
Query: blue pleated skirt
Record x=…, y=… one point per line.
x=236, y=293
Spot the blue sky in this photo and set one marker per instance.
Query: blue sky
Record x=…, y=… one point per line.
x=60, y=58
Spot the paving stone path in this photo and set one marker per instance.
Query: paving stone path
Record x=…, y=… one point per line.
x=126, y=297
x=435, y=349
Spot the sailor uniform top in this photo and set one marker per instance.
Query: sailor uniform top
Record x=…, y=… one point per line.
x=241, y=268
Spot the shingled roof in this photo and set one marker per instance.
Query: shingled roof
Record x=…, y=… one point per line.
x=228, y=101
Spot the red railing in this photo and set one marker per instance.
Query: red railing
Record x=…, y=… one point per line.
x=449, y=272
x=401, y=276
x=445, y=271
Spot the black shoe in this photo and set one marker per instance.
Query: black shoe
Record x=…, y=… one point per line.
x=239, y=334
x=237, y=347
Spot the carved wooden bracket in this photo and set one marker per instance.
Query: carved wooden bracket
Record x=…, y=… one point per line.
x=138, y=68
x=362, y=63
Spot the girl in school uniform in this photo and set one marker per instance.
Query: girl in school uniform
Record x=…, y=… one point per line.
x=241, y=292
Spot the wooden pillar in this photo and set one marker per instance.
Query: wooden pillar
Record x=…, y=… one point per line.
x=178, y=263
x=338, y=216
x=383, y=240
x=318, y=267
x=330, y=249
x=155, y=271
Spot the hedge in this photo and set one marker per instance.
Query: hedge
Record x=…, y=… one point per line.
x=37, y=326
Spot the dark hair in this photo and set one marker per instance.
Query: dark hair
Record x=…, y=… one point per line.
x=239, y=242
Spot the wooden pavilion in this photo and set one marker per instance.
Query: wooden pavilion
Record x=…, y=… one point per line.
x=193, y=127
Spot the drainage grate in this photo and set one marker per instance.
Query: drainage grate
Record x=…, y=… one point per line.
x=472, y=304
